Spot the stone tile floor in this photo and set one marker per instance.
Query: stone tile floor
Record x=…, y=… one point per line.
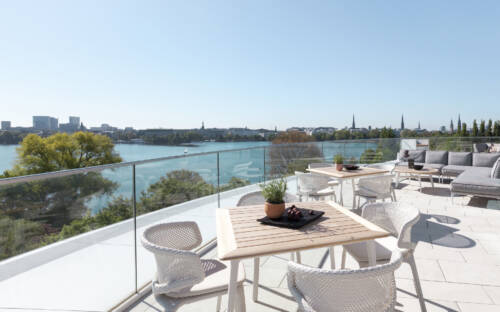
x=458, y=259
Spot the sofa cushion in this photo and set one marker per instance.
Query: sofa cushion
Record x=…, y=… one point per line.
x=460, y=158
x=495, y=171
x=484, y=159
x=436, y=157
x=476, y=181
x=418, y=156
x=434, y=166
x=453, y=170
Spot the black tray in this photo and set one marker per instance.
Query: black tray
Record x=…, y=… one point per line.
x=283, y=221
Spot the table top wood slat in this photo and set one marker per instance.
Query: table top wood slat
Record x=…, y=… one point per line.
x=362, y=171
x=423, y=171
x=240, y=235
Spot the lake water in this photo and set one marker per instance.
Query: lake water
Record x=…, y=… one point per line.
x=247, y=164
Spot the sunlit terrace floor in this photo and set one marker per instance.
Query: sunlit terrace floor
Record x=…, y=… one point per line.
x=458, y=258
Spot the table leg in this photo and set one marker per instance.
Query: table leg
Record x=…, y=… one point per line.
x=341, y=199
x=332, y=258
x=432, y=181
x=398, y=175
x=353, y=193
x=233, y=280
x=370, y=249
x=256, y=267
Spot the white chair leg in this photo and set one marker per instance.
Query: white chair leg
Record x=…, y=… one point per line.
x=394, y=194
x=219, y=302
x=297, y=255
x=256, y=269
x=240, y=304
x=416, y=280
x=344, y=254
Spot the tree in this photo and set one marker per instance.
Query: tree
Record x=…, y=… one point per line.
x=489, y=129
x=482, y=128
x=62, y=151
x=496, y=130
x=475, y=130
x=42, y=209
x=387, y=133
x=464, y=130
x=287, y=158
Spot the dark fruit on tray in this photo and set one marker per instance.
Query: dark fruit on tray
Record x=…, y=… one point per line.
x=293, y=213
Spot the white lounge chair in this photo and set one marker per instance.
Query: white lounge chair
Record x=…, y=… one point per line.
x=181, y=276
x=398, y=219
x=371, y=289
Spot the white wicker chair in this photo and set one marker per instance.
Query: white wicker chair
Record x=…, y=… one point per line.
x=181, y=276
x=398, y=219
x=314, y=186
x=374, y=188
x=331, y=182
x=256, y=198
x=371, y=289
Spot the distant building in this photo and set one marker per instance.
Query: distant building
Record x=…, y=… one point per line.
x=328, y=130
x=129, y=129
x=74, y=121
x=6, y=125
x=45, y=123
x=72, y=126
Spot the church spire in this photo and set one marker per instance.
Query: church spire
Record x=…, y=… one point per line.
x=353, y=122
x=402, y=122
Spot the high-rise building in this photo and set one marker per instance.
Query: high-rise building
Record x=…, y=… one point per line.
x=6, y=125
x=45, y=123
x=74, y=121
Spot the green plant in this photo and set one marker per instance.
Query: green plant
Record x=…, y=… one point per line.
x=274, y=191
x=338, y=159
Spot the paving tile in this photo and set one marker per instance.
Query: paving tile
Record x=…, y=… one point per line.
x=457, y=272
x=413, y=305
x=427, y=270
x=492, y=247
x=444, y=291
x=494, y=293
x=474, y=307
x=479, y=257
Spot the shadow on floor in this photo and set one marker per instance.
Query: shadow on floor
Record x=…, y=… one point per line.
x=439, y=233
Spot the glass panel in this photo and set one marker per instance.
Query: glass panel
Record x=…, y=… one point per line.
x=76, y=219
x=163, y=188
x=241, y=168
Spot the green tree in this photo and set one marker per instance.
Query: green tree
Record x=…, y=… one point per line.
x=464, y=130
x=496, y=130
x=286, y=158
x=62, y=151
x=475, y=130
x=489, y=129
x=387, y=133
x=482, y=128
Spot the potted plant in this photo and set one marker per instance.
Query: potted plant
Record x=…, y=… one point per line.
x=274, y=193
x=339, y=161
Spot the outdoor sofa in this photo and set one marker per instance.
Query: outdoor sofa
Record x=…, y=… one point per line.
x=476, y=174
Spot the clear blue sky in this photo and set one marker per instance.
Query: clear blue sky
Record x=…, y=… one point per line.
x=253, y=63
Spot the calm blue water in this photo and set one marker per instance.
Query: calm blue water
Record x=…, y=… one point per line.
x=248, y=164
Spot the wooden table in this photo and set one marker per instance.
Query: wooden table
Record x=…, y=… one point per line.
x=415, y=173
x=348, y=175
x=240, y=236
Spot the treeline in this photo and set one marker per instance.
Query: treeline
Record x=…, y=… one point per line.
x=347, y=134
x=11, y=137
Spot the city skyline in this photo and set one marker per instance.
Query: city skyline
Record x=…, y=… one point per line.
x=253, y=64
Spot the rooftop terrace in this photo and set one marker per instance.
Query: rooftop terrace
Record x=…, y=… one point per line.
x=458, y=258
x=458, y=255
